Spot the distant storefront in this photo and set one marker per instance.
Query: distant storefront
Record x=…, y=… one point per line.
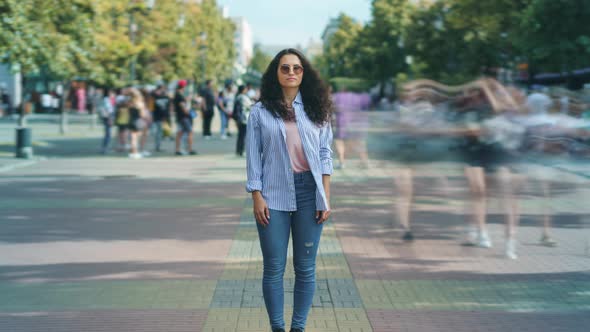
x=41, y=91
x=10, y=82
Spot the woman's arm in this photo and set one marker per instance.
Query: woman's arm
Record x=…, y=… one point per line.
x=327, y=168
x=325, y=149
x=322, y=216
x=254, y=170
x=326, y=183
x=253, y=154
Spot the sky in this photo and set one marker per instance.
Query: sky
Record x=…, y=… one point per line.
x=293, y=22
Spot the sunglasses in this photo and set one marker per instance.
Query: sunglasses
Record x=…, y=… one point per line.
x=286, y=69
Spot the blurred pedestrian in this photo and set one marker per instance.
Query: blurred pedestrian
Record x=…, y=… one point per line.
x=5, y=105
x=208, y=108
x=146, y=110
x=81, y=98
x=351, y=125
x=137, y=121
x=289, y=165
x=230, y=97
x=222, y=107
x=241, y=112
x=161, y=115
x=250, y=91
x=184, y=120
x=106, y=110
x=122, y=119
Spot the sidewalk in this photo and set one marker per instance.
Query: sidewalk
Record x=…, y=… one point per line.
x=93, y=243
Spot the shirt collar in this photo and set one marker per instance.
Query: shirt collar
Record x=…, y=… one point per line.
x=298, y=98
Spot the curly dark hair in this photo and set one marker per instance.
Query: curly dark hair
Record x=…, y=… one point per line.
x=314, y=92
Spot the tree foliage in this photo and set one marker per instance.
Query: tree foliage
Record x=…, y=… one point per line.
x=341, y=51
x=381, y=52
x=56, y=34
x=95, y=39
x=458, y=40
x=555, y=35
x=260, y=60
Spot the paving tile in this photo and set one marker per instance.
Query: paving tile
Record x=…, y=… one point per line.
x=529, y=296
x=352, y=320
x=105, y=320
x=488, y=321
x=221, y=320
x=344, y=293
x=154, y=294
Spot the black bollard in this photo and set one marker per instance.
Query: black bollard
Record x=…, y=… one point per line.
x=24, y=148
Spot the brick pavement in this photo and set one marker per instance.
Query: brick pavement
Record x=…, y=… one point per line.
x=168, y=244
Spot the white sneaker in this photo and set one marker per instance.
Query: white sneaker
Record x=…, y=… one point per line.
x=146, y=153
x=135, y=155
x=483, y=240
x=510, y=249
x=224, y=137
x=547, y=241
x=470, y=236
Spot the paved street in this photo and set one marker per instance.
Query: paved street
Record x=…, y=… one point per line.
x=106, y=243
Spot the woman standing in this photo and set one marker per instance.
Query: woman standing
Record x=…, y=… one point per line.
x=289, y=164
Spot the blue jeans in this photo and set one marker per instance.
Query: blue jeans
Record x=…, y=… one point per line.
x=224, y=123
x=159, y=133
x=106, y=141
x=274, y=241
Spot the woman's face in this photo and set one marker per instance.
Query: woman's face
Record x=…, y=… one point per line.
x=290, y=71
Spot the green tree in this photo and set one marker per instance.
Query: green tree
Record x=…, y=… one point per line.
x=217, y=53
x=114, y=49
x=339, y=58
x=381, y=52
x=436, y=46
x=174, y=40
x=555, y=35
x=57, y=34
x=260, y=60
x=489, y=30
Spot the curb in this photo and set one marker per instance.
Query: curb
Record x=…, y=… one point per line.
x=14, y=166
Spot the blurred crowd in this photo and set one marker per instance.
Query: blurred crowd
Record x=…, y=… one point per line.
x=490, y=128
x=170, y=114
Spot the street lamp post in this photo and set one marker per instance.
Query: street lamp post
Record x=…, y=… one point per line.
x=149, y=4
x=203, y=37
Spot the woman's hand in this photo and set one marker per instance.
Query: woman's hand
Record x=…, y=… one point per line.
x=322, y=216
x=261, y=212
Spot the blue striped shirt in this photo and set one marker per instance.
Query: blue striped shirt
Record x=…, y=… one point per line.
x=268, y=162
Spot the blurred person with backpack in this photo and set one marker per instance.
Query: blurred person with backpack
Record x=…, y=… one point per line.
x=184, y=120
x=162, y=106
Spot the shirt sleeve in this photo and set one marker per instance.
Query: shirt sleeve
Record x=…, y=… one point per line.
x=253, y=153
x=326, y=150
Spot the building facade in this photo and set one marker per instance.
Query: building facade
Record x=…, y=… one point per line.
x=243, y=43
x=329, y=30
